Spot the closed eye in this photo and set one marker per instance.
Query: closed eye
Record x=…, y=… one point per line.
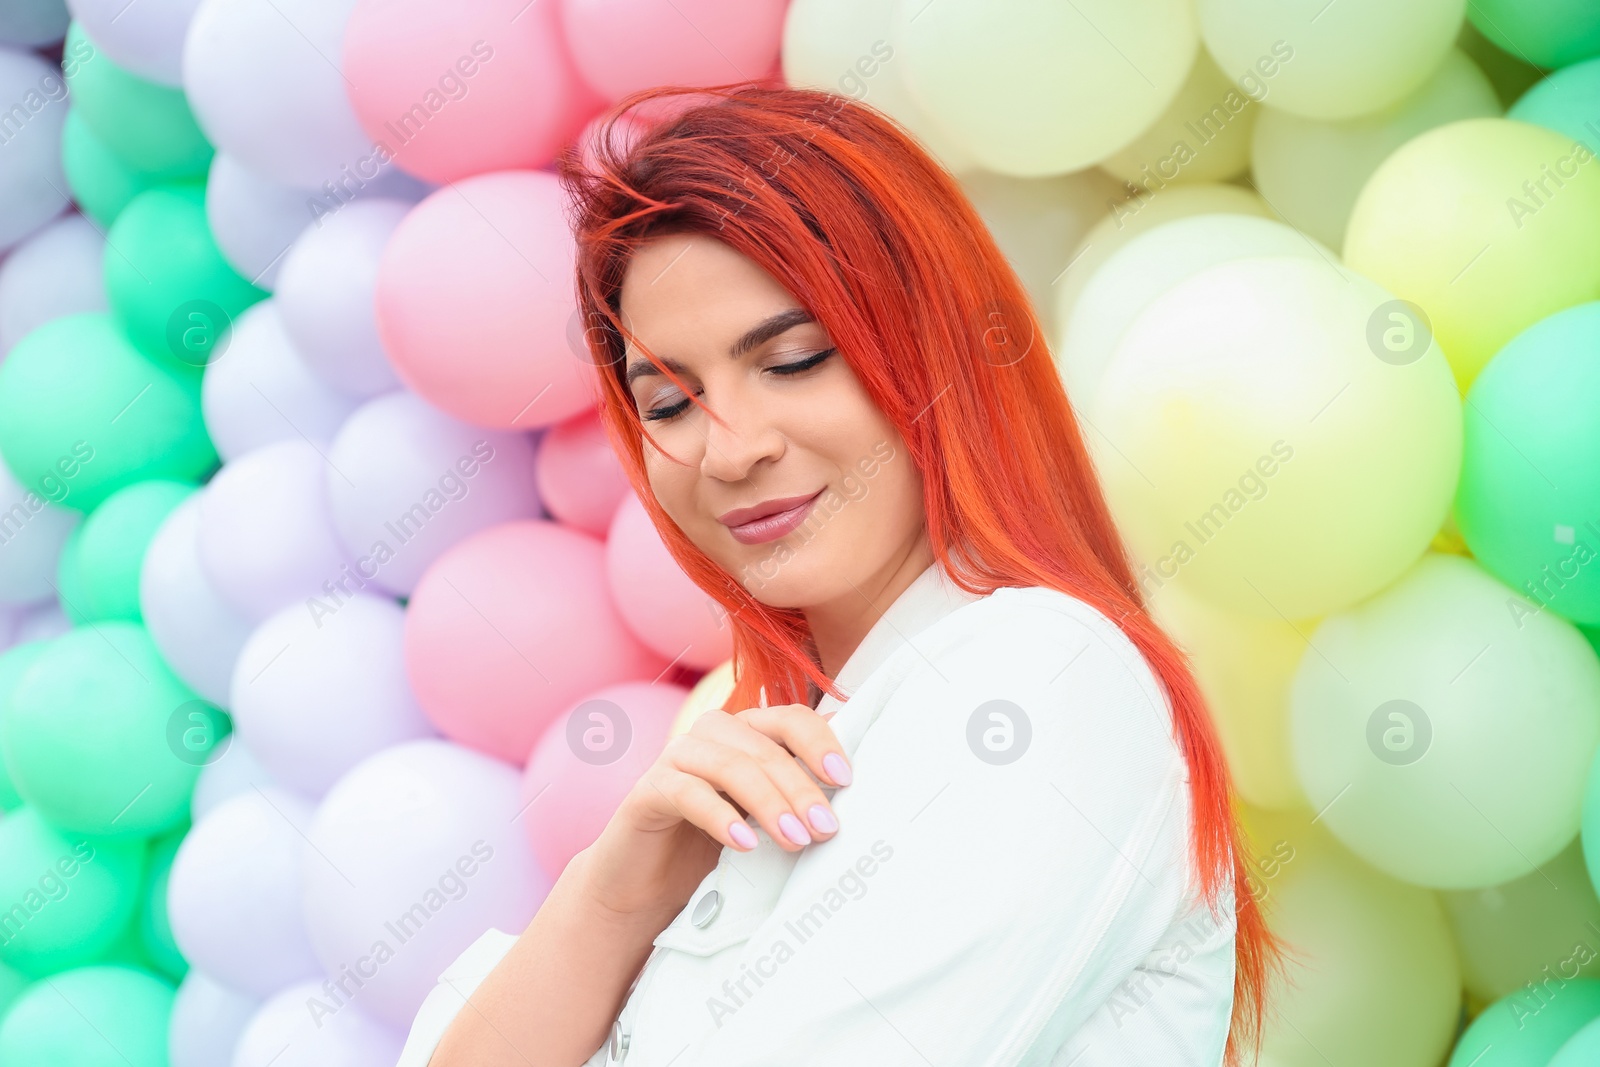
x=786, y=370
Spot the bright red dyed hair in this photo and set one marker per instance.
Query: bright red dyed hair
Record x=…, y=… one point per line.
x=877, y=241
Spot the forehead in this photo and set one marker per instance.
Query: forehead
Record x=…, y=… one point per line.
x=683, y=283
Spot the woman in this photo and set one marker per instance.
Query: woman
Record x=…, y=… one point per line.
x=966, y=806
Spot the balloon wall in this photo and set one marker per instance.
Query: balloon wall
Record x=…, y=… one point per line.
x=330, y=629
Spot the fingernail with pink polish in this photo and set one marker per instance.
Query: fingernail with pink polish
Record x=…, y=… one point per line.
x=742, y=835
x=793, y=830
x=837, y=768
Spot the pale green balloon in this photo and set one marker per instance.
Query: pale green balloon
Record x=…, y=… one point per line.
x=1202, y=136
x=1147, y=266
x=1528, y=1027
x=1582, y=1049
x=1468, y=221
x=111, y=544
x=1445, y=738
x=1544, y=924
x=1036, y=87
x=153, y=923
x=1259, y=447
x=1130, y=218
x=1332, y=62
x=1363, y=948
x=13, y=661
x=104, y=1015
x=1312, y=170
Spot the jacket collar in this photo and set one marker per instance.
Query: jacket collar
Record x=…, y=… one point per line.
x=930, y=597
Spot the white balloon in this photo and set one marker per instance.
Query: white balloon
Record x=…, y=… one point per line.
x=145, y=38
x=253, y=218
x=32, y=23
x=289, y=1031
x=418, y=848
x=259, y=390
x=56, y=272
x=198, y=633
x=34, y=531
x=235, y=771
x=407, y=481
x=207, y=1019
x=263, y=79
x=233, y=896
x=266, y=536
x=33, y=187
x=325, y=293
x=316, y=692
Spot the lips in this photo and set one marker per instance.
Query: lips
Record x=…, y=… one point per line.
x=740, y=516
x=771, y=524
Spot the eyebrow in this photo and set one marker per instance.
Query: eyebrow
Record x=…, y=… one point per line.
x=760, y=333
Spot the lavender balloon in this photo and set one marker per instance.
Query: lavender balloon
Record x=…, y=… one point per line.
x=321, y=686
x=266, y=535
x=207, y=1019
x=414, y=854
x=260, y=391
x=198, y=633
x=291, y=1030
x=234, y=772
x=407, y=481
x=53, y=273
x=33, y=187
x=233, y=896
x=325, y=292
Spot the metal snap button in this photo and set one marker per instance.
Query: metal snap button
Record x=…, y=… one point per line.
x=706, y=909
x=619, y=1042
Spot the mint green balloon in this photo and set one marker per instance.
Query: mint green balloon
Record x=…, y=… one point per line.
x=1544, y=33
x=168, y=270
x=1530, y=465
x=149, y=125
x=1525, y=1030
x=69, y=896
x=111, y=544
x=84, y=413
x=13, y=661
x=1582, y=1049
x=93, y=734
x=12, y=983
x=1566, y=102
x=101, y=181
x=104, y=1015
x=69, y=580
x=153, y=923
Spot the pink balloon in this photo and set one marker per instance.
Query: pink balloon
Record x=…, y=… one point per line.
x=578, y=476
x=465, y=87
x=474, y=300
x=623, y=45
x=588, y=760
x=512, y=626
x=659, y=602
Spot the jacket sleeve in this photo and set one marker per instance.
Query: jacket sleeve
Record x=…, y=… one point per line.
x=1014, y=842
x=446, y=999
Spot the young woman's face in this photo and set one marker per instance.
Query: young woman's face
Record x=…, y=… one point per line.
x=799, y=427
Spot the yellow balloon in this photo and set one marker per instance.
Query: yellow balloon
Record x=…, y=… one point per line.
x=1203, y=136
x=1255, y=441
x=1243, y=665
x=1149, y=265
x=1311, y=170
x=849, y=47
x=1488, y=224
x=1367, y=948
x=1037, y=222
x=711, y=691
x=1036, y=87
x=1132, y=216
x=1330, y=61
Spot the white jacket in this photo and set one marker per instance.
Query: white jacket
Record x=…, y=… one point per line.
x=1009, y=884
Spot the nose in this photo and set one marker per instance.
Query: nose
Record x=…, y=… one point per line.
x=749, y=437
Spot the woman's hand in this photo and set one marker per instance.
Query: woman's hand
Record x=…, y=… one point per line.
x=667, y=834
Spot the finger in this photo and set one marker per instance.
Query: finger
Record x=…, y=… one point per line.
x=806, y=734
x=769, y=786
x=697, y=802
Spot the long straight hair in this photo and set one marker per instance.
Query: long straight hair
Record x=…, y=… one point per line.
x=841, y=206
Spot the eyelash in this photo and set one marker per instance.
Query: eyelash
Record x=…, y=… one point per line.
x=785, y=370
